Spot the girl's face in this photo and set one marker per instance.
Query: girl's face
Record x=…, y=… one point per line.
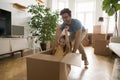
x=62, y=42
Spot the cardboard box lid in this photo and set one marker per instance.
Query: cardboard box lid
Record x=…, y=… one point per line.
x=71, y=58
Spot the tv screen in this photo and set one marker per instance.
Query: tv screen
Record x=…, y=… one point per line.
x=5, y=23
x=2, y=26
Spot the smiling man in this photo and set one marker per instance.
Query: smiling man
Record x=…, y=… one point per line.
x=76, y=30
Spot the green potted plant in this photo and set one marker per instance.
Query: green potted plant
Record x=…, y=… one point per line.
x=43, y=23
x=111, y=7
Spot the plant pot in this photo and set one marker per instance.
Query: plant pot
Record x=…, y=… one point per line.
x=43, y=46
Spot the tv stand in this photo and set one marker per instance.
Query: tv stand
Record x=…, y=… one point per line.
x=8, y=36
x=12, y=45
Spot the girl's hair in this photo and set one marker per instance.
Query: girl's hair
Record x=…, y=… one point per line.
x=65, y=47
x=65, y=10
x=62, y=37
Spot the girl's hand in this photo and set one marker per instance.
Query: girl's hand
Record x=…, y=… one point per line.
x=66, y=28
x=58, y=26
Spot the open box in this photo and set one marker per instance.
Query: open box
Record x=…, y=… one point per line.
x=50, y=67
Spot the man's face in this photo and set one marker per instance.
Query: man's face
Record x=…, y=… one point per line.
x=66, y=18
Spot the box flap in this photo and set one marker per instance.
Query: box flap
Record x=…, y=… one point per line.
x=45, y=57
x=72, y=59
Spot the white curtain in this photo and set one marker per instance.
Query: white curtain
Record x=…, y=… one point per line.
x=119, y=24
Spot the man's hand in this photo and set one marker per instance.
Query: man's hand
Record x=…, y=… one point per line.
x=66, y=28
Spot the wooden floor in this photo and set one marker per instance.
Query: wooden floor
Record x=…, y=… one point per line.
x=100, y=67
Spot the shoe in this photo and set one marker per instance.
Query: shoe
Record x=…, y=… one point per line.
x=86, y=62
x=86, y=67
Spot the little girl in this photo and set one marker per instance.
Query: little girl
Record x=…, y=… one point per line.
x=64, y=46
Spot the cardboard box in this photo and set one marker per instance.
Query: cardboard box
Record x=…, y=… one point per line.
x=97, y=37
x=101, y=48
x=97, y=29
x=85, y=41
x=49, y=67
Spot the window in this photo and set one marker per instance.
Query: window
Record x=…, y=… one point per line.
x=62, y=4
x=86, y=13
x=110, y=22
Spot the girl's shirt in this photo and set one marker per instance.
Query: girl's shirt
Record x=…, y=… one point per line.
x=60, y=51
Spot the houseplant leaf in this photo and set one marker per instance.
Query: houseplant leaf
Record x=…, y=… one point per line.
x=111, y=7
x=43, y=22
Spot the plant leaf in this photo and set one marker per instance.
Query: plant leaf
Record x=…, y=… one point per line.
x=111, y=11
x=113, y=1
x=118, y=6
x=43, y=22
x=105, y=4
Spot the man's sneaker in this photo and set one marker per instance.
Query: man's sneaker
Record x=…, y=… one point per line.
x=86, y=64
x=86, y=67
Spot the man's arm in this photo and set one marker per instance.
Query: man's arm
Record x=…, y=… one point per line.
x=77, y=40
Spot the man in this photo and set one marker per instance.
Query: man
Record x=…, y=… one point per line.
x=76, y=30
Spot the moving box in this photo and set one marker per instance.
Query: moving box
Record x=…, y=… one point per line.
x=50, y=67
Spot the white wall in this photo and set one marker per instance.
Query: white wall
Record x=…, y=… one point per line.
x=49, y=3
x=98, y=10
x=19, y=17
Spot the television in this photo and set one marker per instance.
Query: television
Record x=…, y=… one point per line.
x=5, y=23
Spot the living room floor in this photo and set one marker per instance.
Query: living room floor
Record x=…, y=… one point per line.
x=100, y=67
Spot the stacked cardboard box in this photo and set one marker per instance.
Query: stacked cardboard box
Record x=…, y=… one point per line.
x=85, y=41
x=96, y=37
x=99, y=43
x=97, y=29
x=101, y=48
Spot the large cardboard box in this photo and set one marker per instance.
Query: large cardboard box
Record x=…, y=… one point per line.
x=49, y=67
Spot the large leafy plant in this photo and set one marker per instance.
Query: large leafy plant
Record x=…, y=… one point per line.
x=43, y=22
x=111, y=7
